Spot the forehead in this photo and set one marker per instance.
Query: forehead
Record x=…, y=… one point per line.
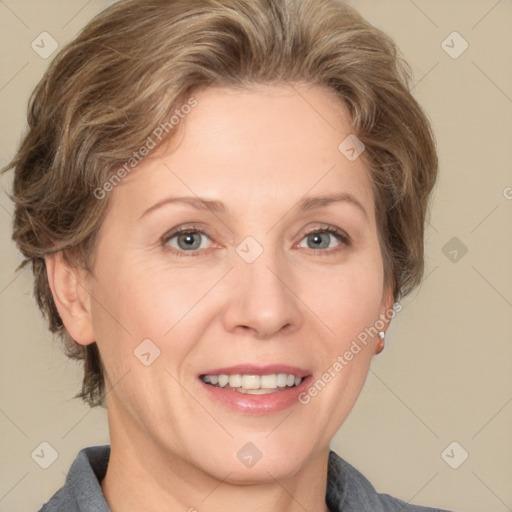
x=265, y=146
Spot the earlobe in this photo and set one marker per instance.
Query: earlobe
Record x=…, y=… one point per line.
x=71, y=296
x=382, y=342
x=385, y=316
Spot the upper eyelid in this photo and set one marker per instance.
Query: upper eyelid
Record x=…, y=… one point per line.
x=185, y=229
x=339, y=233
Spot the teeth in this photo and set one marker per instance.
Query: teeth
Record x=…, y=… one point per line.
x=268, y=381
x=248, y=382
x=235, y=381
x=253, y=384
x=281, y=380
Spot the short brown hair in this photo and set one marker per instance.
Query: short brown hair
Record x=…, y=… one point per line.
x=139, y=60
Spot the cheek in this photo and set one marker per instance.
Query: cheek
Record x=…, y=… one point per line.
x=135, y=300
x=141, y=297
x=347, y=298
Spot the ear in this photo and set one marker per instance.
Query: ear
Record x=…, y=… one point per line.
x=69, y=286
x=386, y=310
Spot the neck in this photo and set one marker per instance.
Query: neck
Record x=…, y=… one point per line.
x=145, y=476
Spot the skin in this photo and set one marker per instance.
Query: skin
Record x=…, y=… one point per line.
x=258, y=151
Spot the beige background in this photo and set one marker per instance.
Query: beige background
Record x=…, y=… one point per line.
x=446, y=372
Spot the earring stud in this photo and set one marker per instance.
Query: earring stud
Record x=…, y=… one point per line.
x=382, y=342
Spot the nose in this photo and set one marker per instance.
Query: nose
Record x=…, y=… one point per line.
x=262, y=300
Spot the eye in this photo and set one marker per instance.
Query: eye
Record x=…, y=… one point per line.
x=187, y=240
x=324, y=238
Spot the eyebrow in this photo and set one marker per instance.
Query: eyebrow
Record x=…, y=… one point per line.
x=195, y=202
x=305, y=205
x=311, y=203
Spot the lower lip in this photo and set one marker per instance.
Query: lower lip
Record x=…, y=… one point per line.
x=257, y=404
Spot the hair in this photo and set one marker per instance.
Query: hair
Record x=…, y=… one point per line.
x=138, y=61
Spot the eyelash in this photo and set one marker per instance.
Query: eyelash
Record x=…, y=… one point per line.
x=341, y=236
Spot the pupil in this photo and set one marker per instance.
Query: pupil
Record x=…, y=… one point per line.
x=189, y=242
x=316, y=239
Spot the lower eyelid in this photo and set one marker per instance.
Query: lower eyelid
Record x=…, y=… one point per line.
x=167, y=238
x=343, y=238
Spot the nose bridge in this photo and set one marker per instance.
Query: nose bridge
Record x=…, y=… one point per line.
x=262, y=299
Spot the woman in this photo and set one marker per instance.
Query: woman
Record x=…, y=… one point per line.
x=222, y=202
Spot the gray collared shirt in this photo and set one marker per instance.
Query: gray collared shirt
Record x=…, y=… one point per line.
x=347, y=489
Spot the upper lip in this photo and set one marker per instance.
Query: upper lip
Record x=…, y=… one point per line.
x=252, y=369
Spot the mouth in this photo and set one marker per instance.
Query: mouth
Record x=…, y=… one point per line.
x=253, y=384
x=255, y=380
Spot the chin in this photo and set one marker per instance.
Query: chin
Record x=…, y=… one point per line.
x=252, y=463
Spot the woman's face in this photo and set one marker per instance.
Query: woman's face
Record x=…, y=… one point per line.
x=267, y=279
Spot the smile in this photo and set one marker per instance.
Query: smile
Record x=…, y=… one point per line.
x=253, y=384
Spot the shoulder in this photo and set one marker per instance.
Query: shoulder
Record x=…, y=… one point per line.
x=349, y=491
x=82, y=489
